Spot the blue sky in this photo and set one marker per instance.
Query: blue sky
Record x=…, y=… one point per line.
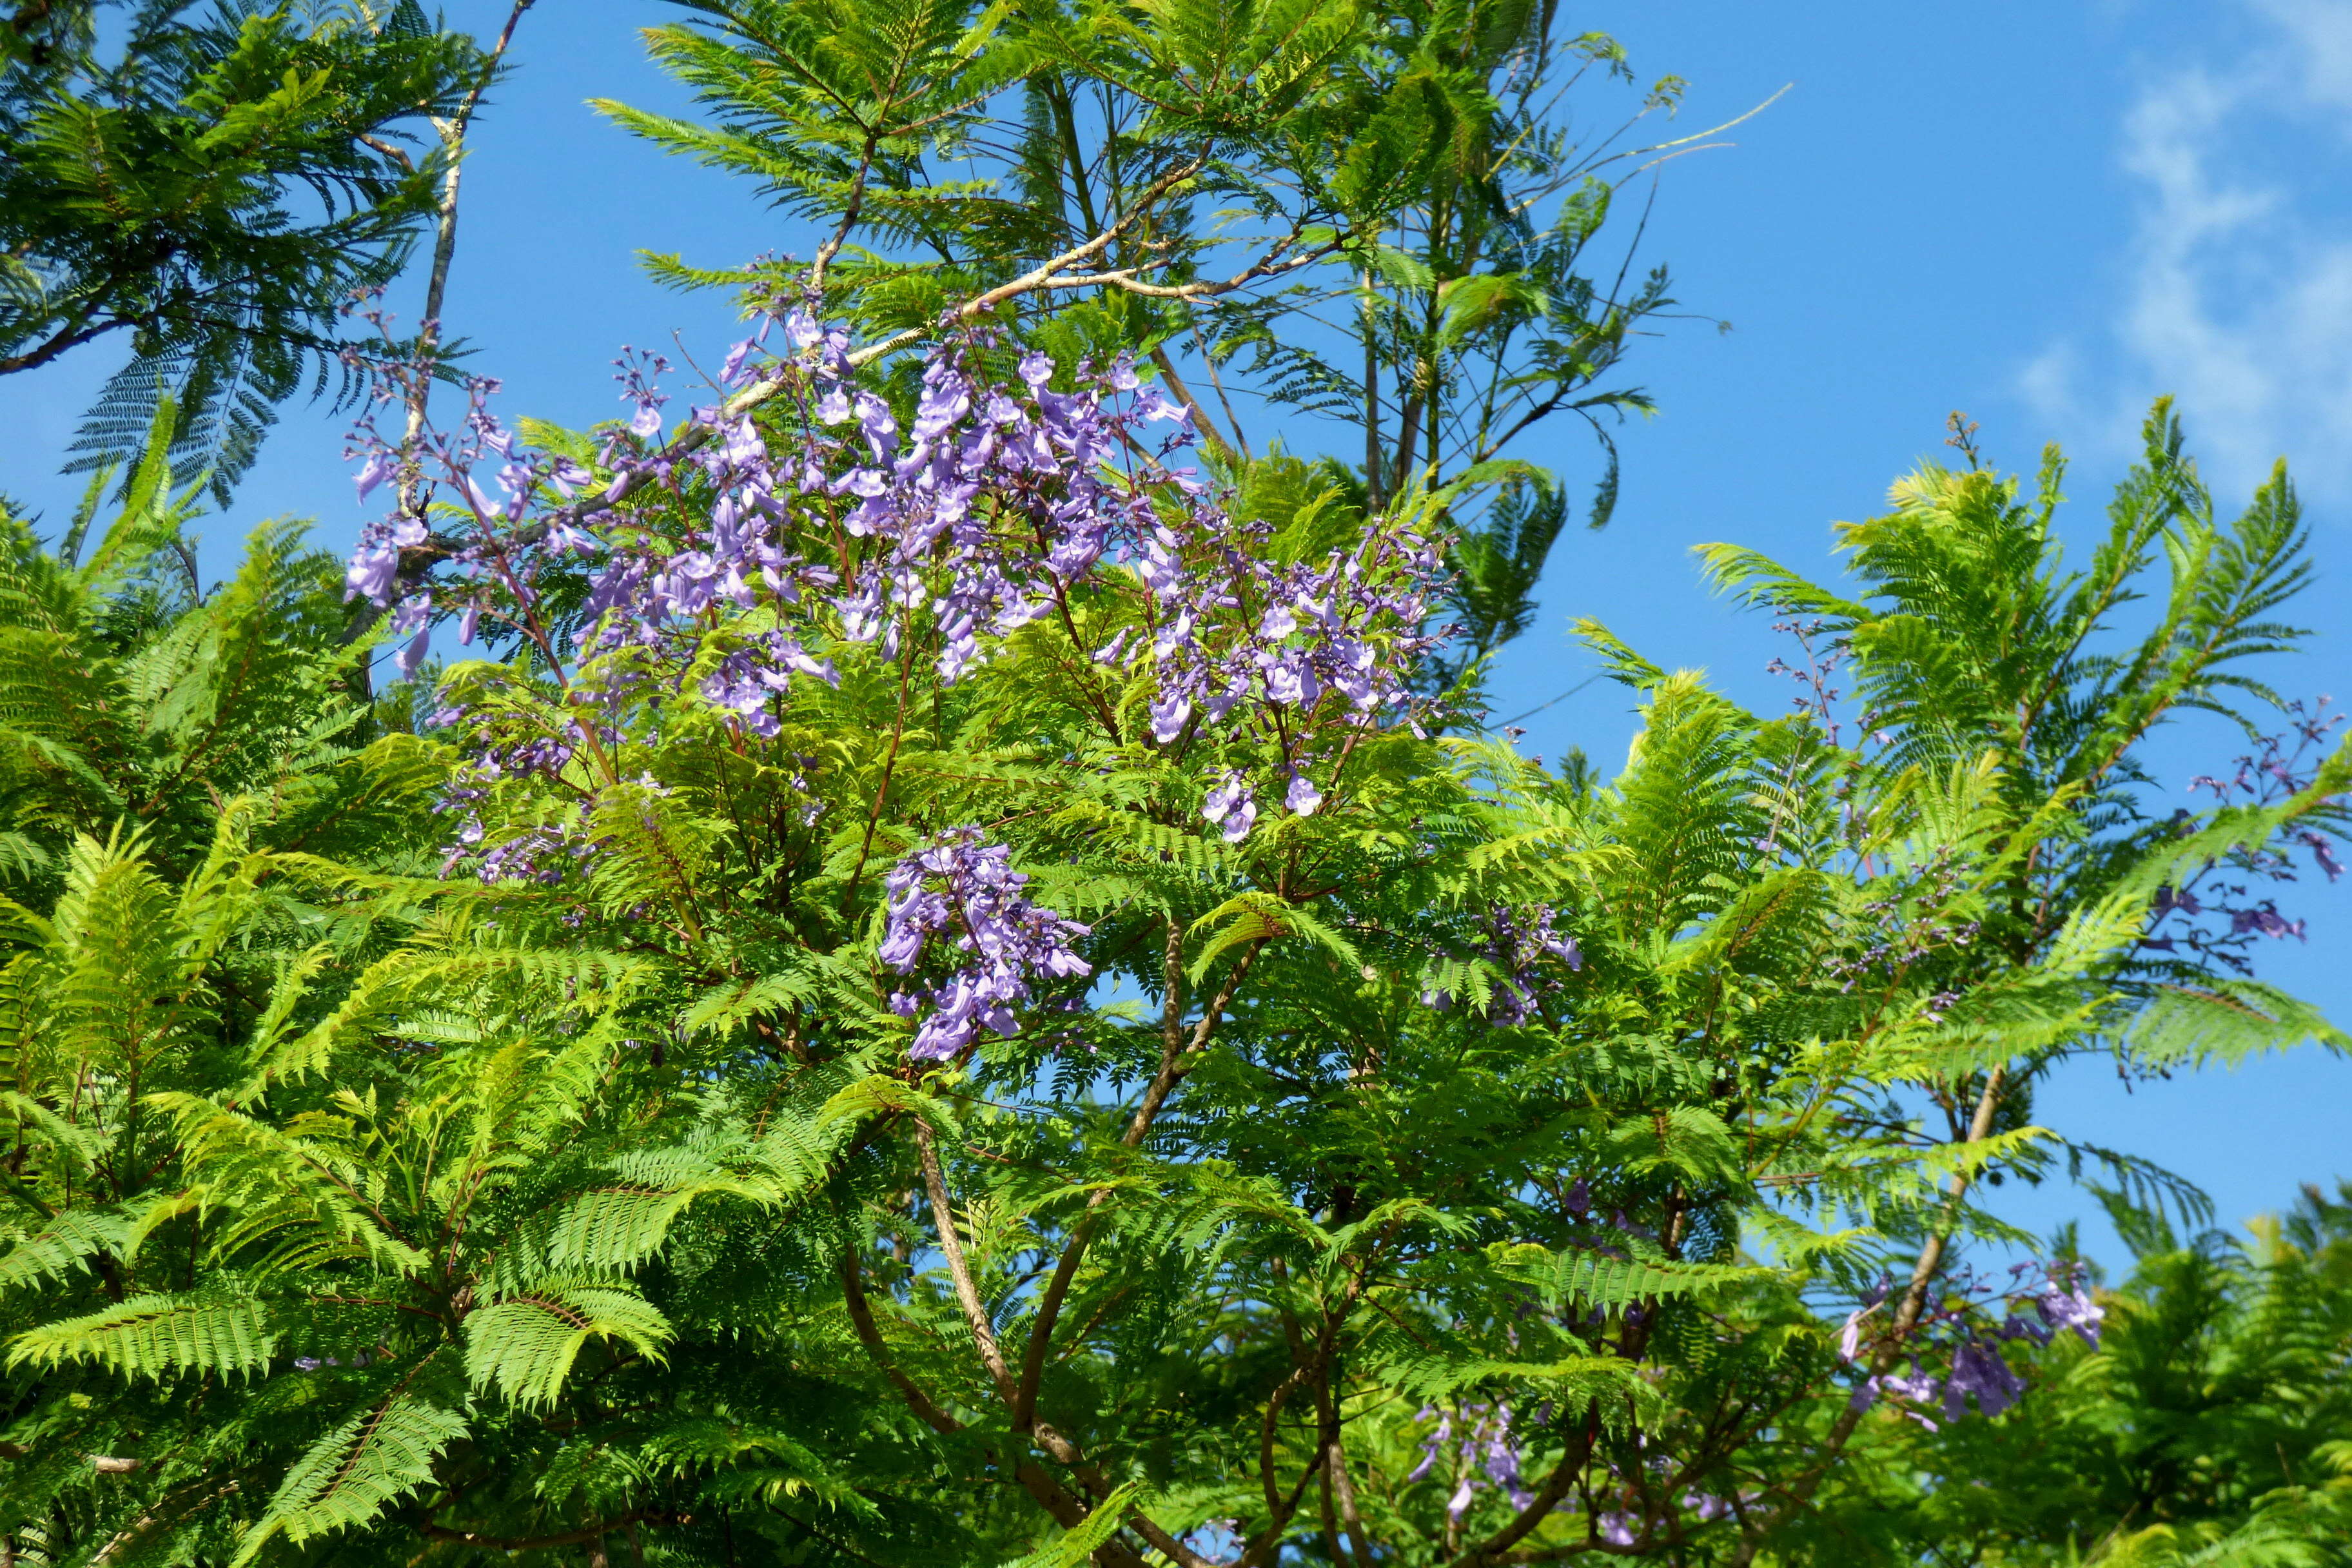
x=2045, y=213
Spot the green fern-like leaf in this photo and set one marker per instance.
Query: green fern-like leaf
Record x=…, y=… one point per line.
x=158, y=1336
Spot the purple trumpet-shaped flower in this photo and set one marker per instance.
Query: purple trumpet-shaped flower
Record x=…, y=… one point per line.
x=1433, y=1441
x=1231, y=807
x=1906, y=1389
x=958, y=885
x=1169, y=714
x=1302, y=798
x=1501, y=1458
x=2016, y=1328
x=1981, y=1371
x=2322, y=851
x=1849, y=1336
x=380, y=467
x=2265, y=918
x=411, y=656
x=2065, y=1307
x=1579, y=1197
x=371, y=573
x=412, y=616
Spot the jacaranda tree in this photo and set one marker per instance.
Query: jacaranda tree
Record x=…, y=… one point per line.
x=973, y=1006
x=930, y=960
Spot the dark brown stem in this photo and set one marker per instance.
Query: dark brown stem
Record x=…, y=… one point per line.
x=1201, y=420
x=1049, y=1494
x=70, y=336
x=539, y=1542
x=1548, y=1497
x=850, y=212
x=869, y=1334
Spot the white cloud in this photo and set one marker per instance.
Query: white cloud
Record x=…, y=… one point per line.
x=2237, y=291
x=2316, y=35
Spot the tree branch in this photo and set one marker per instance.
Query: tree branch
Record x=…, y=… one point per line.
x=1906, y=1318
x=975, y=1313
x=1173, y=1053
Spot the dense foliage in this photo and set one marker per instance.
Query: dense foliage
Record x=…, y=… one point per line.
x=2207, y=1428
x=945, y=969
x=210, y=186
x=967, y=1007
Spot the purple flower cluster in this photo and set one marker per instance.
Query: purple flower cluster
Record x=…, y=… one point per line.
x=1517, y=948
x=1979, y=1369
x=1484, y=1435
x=1904, y=926
x=957, y=884
x=1231, y=807
x=1229, y=625
x=2279, y=766
x=2063, y=1305
x=542, y=852
x=486, y=565
x=1517, y=944
x=1818, y=698
x=969, y=522
x=1478, y=1436
x=942, y=527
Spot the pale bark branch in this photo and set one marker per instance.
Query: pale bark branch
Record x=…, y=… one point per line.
x=975, y=1311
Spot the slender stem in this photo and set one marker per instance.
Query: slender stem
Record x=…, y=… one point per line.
x=1280, y=1511
x=452, y=131
x=70, y=336
x=1373, y=488
x=1343, y=1489
x=1201, y=420
x=1217, y=385
x=1058, y=1289
x=1177, y=1047
x=1906, y=1317
x=869, y=1334
x=1050, y=1494
x=889, y=769
x=850, y=212
x=975, y=1311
